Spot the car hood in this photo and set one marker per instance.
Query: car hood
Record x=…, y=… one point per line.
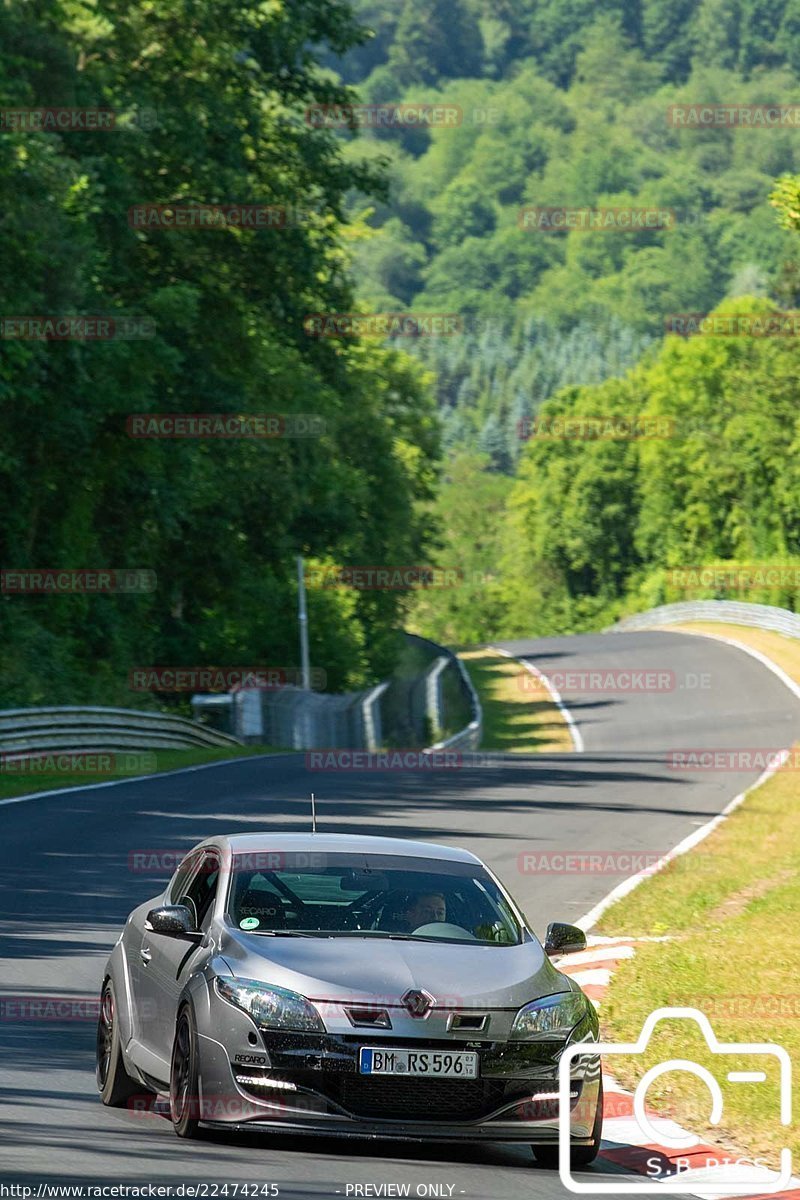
x=365, y=969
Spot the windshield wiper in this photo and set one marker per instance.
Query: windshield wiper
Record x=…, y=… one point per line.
x=331, y=933
x=282, y=933
x=376, y=933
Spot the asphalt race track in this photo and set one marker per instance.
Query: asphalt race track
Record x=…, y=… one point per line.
x=66, y=886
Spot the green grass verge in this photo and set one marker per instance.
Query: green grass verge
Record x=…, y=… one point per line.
x=515, y=718
x=731, y=909
x=132, y=763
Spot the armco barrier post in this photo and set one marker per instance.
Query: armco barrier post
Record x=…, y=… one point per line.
x=434, y=706
x=373, y=733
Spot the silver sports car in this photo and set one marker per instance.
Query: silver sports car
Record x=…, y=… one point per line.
x=358, y=986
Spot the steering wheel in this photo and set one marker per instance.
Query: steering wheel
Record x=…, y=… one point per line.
x=444, y=929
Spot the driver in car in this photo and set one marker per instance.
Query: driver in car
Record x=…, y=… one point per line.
x=425, y=909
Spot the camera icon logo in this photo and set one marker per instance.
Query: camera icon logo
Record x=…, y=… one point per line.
x=723, y=1185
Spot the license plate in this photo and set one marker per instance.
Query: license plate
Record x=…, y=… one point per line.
x=438, y=1064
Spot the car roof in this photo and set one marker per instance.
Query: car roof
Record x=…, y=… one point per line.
x=339, y=843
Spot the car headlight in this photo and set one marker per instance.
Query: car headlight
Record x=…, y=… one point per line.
x=273, y=1007
x=550, y=1017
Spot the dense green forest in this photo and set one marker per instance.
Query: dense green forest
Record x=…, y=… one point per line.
x=573, y=106
x=423, y=41
x=568, y=105
x=425, y=448
x=209, y=99
x=598, y=525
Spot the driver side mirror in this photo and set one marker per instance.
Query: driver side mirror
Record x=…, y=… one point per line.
x=563, y=939
x=173, y=920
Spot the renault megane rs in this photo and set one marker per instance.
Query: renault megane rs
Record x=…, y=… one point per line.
x=361, y=986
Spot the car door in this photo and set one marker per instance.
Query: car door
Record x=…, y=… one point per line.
x=165, y=963
x=139, y=956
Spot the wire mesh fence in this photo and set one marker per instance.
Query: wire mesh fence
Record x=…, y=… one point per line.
x=427, y=700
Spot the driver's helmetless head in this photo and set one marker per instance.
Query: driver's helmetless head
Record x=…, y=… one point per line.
x=427, y=907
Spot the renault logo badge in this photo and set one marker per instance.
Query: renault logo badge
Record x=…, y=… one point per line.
x=418, y=1002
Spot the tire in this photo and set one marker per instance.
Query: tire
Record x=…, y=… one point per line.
x=114, y=1083
x=184, y=1075
x=580, y=1156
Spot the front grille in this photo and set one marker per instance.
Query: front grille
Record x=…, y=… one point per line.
x=393, y=1098
x=409, y=1043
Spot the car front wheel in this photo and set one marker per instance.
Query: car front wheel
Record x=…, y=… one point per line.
x=184, y=1096
x=114, y=1084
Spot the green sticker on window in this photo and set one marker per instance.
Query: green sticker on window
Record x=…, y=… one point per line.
x=249, y=923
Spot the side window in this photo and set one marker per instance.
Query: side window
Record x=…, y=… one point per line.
x=184, y=871
x=199, y=895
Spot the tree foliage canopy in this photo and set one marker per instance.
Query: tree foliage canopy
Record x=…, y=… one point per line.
x=210, y=98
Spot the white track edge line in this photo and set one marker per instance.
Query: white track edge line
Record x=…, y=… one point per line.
x=91, y=787
x=688, y=843
x=623, y=889
x=757, y=654
x=699, y=835
x=575, y=733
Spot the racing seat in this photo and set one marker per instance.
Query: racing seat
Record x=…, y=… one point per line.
x=263, y=904
x=393, y=918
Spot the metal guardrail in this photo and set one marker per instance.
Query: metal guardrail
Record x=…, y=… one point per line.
x=732, y=612
x=468, y=738
x=105, y=729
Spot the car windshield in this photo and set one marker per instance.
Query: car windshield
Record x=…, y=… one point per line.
x=373, y=895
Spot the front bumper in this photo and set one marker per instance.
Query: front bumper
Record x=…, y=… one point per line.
x=310, y=1083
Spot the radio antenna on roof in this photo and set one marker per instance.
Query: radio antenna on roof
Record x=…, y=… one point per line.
x=313, y=814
